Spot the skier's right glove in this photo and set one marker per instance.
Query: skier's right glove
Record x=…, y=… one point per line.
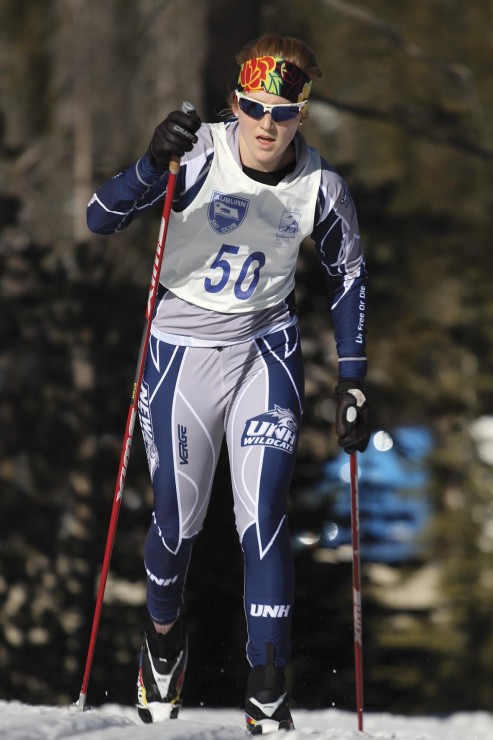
x=353, y=422
x=173, y=137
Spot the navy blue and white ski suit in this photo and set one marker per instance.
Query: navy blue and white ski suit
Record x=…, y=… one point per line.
x=225, y=360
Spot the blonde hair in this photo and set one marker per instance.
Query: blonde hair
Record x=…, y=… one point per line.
x=283, y=47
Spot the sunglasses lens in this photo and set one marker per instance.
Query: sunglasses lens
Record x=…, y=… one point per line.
x=284, y=113
x=252, y=109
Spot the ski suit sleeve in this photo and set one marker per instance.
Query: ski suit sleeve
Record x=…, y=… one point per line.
x=124, y=197
x=337, y=240
x=131, y=192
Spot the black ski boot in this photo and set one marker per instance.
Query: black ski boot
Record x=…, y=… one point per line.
x=266, y=708
x=163, y=660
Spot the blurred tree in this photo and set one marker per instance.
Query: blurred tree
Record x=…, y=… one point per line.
x=404, y=112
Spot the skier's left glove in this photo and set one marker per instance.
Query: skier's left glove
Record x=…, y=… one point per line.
x=353, y=420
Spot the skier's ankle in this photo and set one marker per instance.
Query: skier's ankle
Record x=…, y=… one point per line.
x=163, y=629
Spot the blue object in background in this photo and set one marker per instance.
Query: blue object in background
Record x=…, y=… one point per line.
x=393, y=508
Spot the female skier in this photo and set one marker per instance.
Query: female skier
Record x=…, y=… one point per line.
x=224, y=356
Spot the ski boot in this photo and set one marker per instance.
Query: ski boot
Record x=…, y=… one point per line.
x=266, y=708
x=163, y=660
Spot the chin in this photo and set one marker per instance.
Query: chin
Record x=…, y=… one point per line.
x=267, y=159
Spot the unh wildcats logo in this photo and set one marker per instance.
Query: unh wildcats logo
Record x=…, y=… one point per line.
x=275, y=428
x=226, y=212
x=345, y=198
x=289, y=224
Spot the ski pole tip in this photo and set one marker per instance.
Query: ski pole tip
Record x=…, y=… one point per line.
x=80, y=704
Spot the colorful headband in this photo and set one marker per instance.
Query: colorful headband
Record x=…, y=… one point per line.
x=276, y=76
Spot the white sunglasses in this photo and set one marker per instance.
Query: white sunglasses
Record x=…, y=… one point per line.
x=280, y=113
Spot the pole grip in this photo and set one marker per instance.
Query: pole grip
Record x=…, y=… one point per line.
x=174, y=164
x=187, y=107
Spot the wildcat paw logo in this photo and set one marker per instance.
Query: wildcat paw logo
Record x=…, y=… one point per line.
x=147, y=429
x=345, y=198
x=226, y=212
x=289, y=225
x=275, y=428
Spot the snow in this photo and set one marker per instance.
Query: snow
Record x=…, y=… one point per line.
x=112, y=722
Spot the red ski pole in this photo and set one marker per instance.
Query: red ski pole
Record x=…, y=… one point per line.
x=357, y=617
x=174, y=168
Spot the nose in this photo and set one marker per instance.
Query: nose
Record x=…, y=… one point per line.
x=266, y=120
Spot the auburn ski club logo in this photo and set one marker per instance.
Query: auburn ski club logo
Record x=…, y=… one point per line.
x=275, y=428
x=147, y=430
x=226, y=212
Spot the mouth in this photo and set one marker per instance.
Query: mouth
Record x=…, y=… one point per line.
x=263, y=139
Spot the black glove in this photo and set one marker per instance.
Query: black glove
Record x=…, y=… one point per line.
x=174, y=136
x=353, y=421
